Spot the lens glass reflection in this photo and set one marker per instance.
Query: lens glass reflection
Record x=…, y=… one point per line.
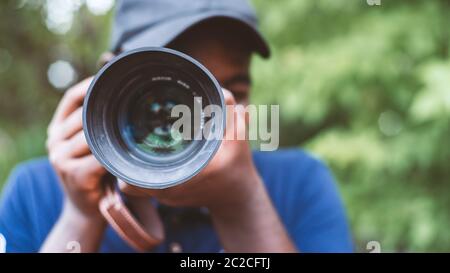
x=149, y=121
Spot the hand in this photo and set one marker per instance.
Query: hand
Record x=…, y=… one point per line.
x=229, y=178
x=241, y=209
x=79, y=172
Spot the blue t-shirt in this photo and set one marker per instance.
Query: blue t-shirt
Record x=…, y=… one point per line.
x=301, y=188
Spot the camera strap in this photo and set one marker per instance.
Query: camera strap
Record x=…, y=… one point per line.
x=138, y=224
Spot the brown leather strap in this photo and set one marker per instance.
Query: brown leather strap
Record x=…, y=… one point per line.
x=142, y=235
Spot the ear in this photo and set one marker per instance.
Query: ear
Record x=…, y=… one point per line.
x=105, y=58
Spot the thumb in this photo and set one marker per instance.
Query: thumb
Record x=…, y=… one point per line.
x=130, y=189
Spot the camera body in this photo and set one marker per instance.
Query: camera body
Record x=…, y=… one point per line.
x=128, y=117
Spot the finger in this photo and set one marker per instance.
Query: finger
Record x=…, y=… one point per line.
x=72, y=100
x=72, y=124
x=78, y=144
x=87, y=171
x=72, y=148
x=105, y=58
x=237, y=118
x=87, y=165
x=67, y=128
x=242, y=120
x=130, y=189
x=228, y=97
x=230, y=111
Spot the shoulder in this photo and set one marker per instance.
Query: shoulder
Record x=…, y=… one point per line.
x=292, y=175
x=30, y=204
x=290, y=167
x=306, y=197
x=281, y=157
x=32, y=176
x=33, y=188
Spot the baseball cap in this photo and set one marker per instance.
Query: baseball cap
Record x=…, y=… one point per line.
x=140, y=23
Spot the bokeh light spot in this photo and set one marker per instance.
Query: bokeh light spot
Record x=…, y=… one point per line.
x=61, y=74
x=99, y=7
x=389, y=123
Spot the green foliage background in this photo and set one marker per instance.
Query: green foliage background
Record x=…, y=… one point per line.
x=366, y=88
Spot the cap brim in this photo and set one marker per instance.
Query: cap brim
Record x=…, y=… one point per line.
x=164, y=33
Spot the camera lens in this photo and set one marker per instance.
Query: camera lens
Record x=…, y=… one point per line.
x=149, y=120
x=129, y=123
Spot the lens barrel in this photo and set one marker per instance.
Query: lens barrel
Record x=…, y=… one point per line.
x=127, y=117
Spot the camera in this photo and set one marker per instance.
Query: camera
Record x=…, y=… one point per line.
x=128, y=117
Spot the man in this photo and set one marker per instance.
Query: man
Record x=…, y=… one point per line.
x=282, y=201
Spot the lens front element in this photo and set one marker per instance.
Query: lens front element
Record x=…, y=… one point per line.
x=128, y=122
x=149, y=121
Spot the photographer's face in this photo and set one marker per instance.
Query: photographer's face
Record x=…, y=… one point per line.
x=224, y=49
x=227, y=57
x=229, y=63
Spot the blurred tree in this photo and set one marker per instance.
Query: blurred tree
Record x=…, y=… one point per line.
x=31, y=40
x=368, y=90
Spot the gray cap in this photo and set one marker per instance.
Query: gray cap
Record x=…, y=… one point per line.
x=140, y=23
